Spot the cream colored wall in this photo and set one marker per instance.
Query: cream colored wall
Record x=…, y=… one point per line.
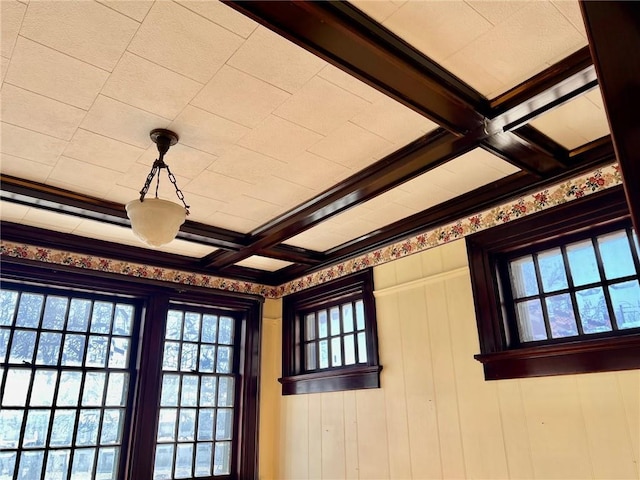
x=435, y=416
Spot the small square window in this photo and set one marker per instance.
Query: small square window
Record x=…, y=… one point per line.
x=329, y=337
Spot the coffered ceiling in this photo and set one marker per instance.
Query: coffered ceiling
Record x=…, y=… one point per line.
x=309, y=132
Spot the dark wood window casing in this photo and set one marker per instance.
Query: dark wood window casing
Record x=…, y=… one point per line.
x=300, y=375
x=153, y=302
x=502, y=354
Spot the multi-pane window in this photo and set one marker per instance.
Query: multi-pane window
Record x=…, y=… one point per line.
x=335, y=336
x=329, y=339
x=196, y=416
x=65, y=381
x=586, y=287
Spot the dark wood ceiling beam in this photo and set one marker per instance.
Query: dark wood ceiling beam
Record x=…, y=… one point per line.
x=410, y=161
x=347, y=38
x=614, y=39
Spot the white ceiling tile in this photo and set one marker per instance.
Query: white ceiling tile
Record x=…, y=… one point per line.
x=103, y=151
x=233, y=222
x=275, y=60
x=202, y=130
x=312, y=171
x=57, y=222
x=223, y=15
x=83, y=177
x=247, y=165
x=11, y=15
x=386, y=214
x=351, y=146
x=185, y=247
x=263, y=263
x=393, y=121
x=349, y=83
x=379, y=10
x=12, y=212
x=239, y=97
x=183, y=41
x=426, y=196
x=279, y=138
x=30, y=145
x=200, y=208
x=148, y=86
x=571, y=10
x=123, y=122
x=87, y=31
x=438, y=29
x=575, y=123
x=476, y=74
x=23, y=168
x=4, y=66
x=136, y=9
x=42, y=114
x=477, y=159
x=317, y=238
x=182, y=160
x=280, y=192
x=595, y=97
x=496, y=11
x=213, y=185
x=123, y=195
x=321, y=106
x=42, y=70
x=252, y=209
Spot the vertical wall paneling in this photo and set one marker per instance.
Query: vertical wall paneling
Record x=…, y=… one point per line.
x=435, y=416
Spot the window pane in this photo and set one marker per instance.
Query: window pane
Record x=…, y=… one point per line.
x=119, y=353
x=322, y=324
x=362, y=348
x=310, y=326
x=107, y=466
x=347, y=318
x=57, y=464
x=8, y=302
x=310, y=356
x=188, y=357
x=336, y=354
x=592, y=308
x=7, y=465
x=4, y=343
x=530, y=321
x=208, y=391
x=222, y=458
x=48, y=348
x=189, y=393
x=616, y=255
x=324, y=354
x=349, y=350
x=223, y=365
x=184, y=459
x=22, y=346
x=225, y=392
x=523, y=277
x=55, y=311
x=16, y=388
x=123, y=321
x=203, y=459
x=209, y=328
x=35, y=432
x=79, y=311
x=170, y=387
x=187, y=425
x=163, y=464
x=88, y=422
x=334, y=313
x=82, y=463
x=207, y=358
x=29, y=310
x=10, y=426
x=101, y=318
x=30, y=465
x=62, y=430
x=583, y=263
x=191, y=327
x=173, y=329
x=561, y=317
x=552, y=270
x=224, y=424
x=44, y=385
x=167, y=425
x=69, y=390
x=111, y=426
x=225, y=333
x=93, y=388
x=205, y=423
x=360, y=315
x=97, y=351
x=170, y=359
x=625, y=299
x=73, y=351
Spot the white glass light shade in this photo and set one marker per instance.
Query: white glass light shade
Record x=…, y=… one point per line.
x=155, y=221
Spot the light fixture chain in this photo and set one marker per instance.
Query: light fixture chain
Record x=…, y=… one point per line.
x=179, y=193
x=147, y=183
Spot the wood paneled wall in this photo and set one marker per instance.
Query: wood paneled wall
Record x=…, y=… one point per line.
x=435, y=416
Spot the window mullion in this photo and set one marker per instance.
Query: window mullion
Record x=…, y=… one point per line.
x=605, y=284
x=572, y=289
x=543, y=303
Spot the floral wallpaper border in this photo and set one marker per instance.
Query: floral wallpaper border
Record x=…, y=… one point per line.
x=557, y=194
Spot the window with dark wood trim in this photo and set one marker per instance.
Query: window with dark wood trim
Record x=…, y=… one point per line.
x=558, y=292
x=330, y=337
x=103, y=379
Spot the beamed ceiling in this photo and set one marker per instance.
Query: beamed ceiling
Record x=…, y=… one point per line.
x=309, y=132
